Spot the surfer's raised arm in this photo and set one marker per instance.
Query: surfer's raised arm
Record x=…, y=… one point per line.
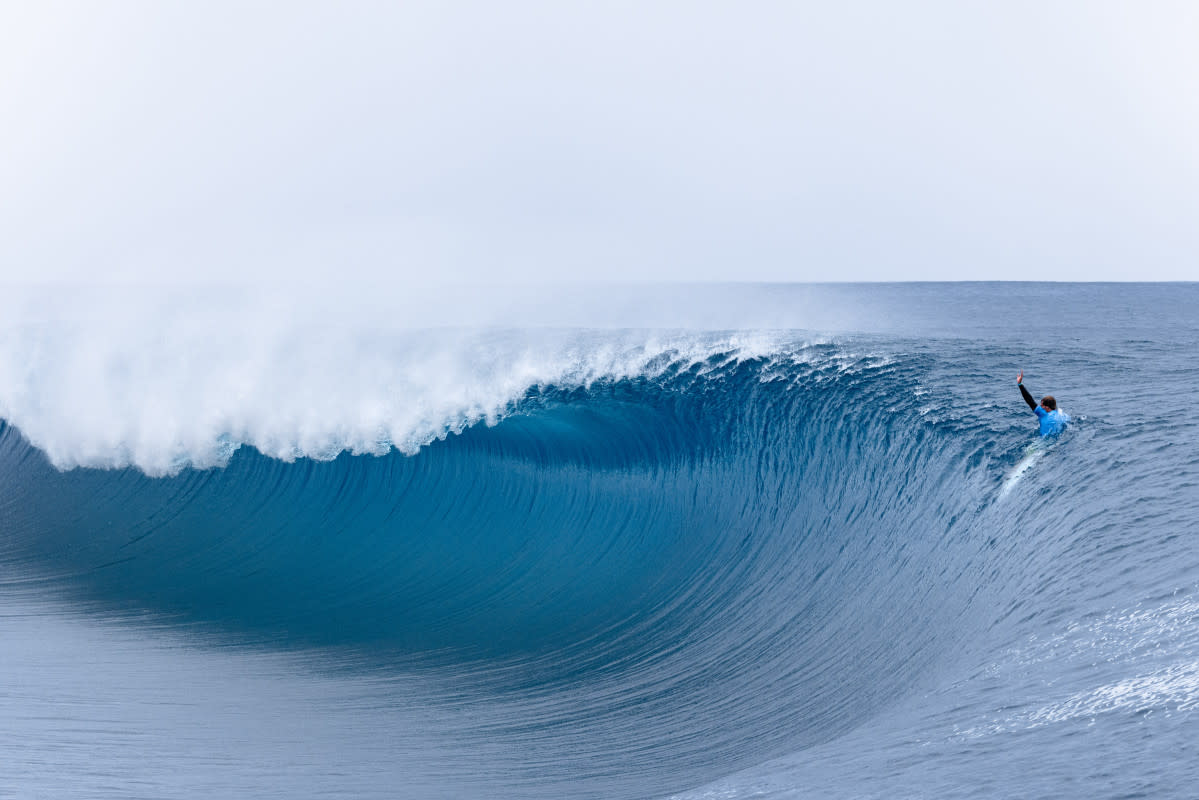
x=1027, y=397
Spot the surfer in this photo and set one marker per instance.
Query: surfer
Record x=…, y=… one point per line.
x=1053, y=420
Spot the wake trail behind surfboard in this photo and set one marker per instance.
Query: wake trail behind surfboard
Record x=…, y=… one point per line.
x=1032, y=454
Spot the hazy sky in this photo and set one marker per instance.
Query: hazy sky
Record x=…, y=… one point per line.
x=526, y=142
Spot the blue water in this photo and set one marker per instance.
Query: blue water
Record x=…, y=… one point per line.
x=825, y=559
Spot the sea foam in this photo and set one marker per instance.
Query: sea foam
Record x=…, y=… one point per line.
x=166, y=379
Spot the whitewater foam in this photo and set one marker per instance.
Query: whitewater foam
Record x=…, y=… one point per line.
x=162, y=381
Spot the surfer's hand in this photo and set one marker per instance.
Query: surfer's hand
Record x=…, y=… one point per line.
x=1020, y=377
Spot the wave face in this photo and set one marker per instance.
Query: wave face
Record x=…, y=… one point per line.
x=617, y=563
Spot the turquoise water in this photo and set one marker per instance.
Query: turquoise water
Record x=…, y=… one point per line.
x=611, y=561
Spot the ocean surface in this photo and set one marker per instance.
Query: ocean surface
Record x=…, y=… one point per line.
x=743, y=541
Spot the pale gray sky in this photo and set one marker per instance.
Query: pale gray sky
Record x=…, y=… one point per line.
x=529, y=142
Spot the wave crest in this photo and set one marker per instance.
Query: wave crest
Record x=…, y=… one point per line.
x=163, y=387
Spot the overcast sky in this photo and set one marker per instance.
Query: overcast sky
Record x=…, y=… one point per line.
x=531, y=142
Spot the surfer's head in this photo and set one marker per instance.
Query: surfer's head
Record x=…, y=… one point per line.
x=1048, y=403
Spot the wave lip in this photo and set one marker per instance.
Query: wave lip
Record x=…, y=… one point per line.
x=166, y=388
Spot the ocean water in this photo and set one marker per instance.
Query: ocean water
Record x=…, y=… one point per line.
x=699, y=542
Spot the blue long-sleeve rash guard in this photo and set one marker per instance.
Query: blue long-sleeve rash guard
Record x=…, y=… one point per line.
x=1052, y=422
